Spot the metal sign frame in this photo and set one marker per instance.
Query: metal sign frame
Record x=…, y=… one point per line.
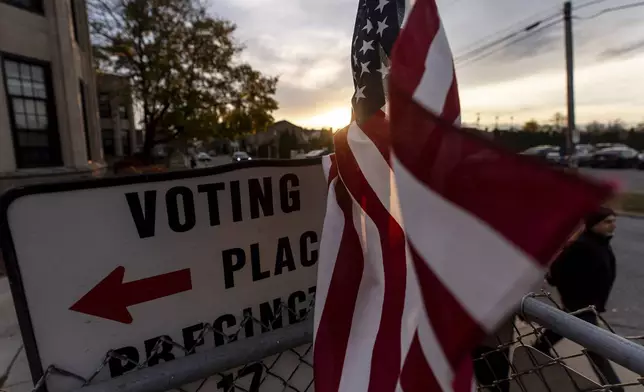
x=8, y=249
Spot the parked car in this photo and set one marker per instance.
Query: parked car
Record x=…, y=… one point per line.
x=203, y=157
x=241, y=156
x=315, y=153
x=602, y=146
x=547, y=152
x=615, y=157
x=640, y=161
x=584, y=154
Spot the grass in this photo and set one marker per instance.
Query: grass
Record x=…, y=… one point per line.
x=630, y=203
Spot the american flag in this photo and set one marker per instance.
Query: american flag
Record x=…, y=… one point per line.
x=431, y=234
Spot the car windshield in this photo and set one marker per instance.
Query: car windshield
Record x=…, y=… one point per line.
x=240, y=155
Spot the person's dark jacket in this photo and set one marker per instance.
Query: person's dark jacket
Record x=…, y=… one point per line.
x=584, y=272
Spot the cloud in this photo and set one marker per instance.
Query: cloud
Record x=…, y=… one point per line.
x=307, y=44
x=622, y=51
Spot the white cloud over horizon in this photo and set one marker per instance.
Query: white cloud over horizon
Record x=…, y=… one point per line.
x=307, y=44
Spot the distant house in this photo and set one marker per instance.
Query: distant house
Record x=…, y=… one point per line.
x=115, y=106
x=267, y=144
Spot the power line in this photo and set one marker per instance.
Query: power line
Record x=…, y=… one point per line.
x=471, y=60
x=507, y=37
x=611, y=9
x=516, y=36
x=520, y=26
x=587, y=4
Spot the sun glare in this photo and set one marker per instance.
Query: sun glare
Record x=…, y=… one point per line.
x=335, y=118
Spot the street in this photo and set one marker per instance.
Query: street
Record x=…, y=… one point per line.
x=628, y=180
x=626, y=305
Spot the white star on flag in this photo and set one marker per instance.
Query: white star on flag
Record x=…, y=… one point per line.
x=381, y=5
x=359, y=93
x=368, y=27
x=384, y=70
x=382, y=26
x=355, y=58
x=365, y=68
x=366, y=46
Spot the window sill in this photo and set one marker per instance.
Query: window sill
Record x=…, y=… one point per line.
x=33, y=10
x=52, y=171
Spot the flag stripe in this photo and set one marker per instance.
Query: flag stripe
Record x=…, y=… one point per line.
x=455, y=329
x=433, y=349
x=474, y=166
x=332, y=234
x=376, y=129
x=338, y=306
x=357, y=371
x=471, y=166
x=417, y=375
x=436, y=228
x=378, y=174
x=330, y=168
x=441, y=232
x=434, y=86
x=386, y=351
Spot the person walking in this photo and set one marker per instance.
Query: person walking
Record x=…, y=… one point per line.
x=584, y=273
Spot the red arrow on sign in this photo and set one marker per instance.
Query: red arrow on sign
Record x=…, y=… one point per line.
x=110, y=298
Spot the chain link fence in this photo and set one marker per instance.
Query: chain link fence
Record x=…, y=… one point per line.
x=528, y=361
x=280, y=359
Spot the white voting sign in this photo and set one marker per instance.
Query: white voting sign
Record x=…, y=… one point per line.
x=114, y=264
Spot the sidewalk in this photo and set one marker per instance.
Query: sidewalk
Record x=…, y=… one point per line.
x=14, y=370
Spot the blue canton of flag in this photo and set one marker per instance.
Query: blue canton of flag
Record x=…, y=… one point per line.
x=376, y=29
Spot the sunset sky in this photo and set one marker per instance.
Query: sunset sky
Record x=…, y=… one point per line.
x=307, y=44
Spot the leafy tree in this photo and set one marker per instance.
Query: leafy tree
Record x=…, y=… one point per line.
x=531, y=126
x=616, y=125
x=595, y=127
x=183, y=68
x=559, y=120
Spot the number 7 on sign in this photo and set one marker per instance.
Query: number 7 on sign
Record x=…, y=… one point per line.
x=227, y=382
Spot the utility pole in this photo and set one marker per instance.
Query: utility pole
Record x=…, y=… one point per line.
x=496, y=123
x=572, y=137
x=478, y=120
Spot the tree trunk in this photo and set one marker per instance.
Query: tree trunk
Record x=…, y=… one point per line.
x=148, y=144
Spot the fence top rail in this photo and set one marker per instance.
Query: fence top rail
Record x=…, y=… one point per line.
x=185, y=370
x=609, y=345
x=182, y=371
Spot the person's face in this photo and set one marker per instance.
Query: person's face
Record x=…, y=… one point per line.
x=606, y=227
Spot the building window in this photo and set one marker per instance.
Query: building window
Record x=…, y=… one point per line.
x=81, y=89
x=108, y=142
x=33, y=121
x=104, y=107
x=29, y=5
x=123, y=112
